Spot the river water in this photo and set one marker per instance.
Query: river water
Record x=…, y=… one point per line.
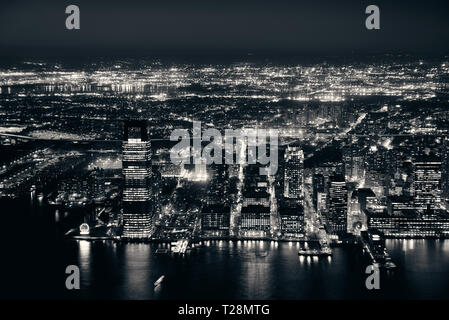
x=35, y=255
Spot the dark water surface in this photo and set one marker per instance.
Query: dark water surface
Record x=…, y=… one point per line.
x=34, y=257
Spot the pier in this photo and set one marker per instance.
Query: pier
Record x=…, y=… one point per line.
x=373, y=246
x=314, y=248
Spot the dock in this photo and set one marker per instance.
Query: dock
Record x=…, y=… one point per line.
x=373, y=245
x=315, y=249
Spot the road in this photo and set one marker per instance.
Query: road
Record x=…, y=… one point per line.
x=314, y=222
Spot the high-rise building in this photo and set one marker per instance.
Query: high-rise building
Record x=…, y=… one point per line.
x=294, y=173
x=137, y=208
x=318, y=184
x=338, y=205
x=255, y=190
x=445, y=168
x=322, y=202
x=427, y=182
x=354, y=164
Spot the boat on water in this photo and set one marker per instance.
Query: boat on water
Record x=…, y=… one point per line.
x=261, y=254
x=389, y=264
x=159, y=281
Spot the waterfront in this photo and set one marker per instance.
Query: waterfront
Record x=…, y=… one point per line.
x=227, y=270
x=35, y=261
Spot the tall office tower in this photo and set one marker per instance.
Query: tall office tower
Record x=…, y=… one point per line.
x=293, y=173
x=137, y=209
x=354, y=168
x=427, y=182
x=318, y=184
x=338, y=204
x=445, y=169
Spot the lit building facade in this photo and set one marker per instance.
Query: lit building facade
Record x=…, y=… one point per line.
x=255, y=191
x=410, y=225
x=427, y=183
x=322, y=202
x=338, y=205
x=293, y=173
x=137, y=208
x=292, y=222
x=255, y=221
x=354, y=165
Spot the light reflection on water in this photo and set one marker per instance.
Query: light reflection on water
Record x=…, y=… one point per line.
x=85, y=261
x=238, y=270
x=219, y=270
x=222, y=268
x=138, y=261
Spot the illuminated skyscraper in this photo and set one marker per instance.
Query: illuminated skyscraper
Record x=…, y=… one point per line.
x=137, y=209
x=427, y=182
x=338, y=204
x=445, y=167
x=293, y=173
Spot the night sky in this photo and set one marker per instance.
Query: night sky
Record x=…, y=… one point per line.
x=132, y=27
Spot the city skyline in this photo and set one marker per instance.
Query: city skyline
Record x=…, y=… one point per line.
x=362, y=173
x=224, y=159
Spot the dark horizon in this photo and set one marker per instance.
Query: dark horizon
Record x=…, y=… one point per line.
x=151, y=28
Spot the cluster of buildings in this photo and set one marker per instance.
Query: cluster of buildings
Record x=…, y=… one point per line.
x=398, y=188
x=394, y=184
x=355, y=169
x=250, y=210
